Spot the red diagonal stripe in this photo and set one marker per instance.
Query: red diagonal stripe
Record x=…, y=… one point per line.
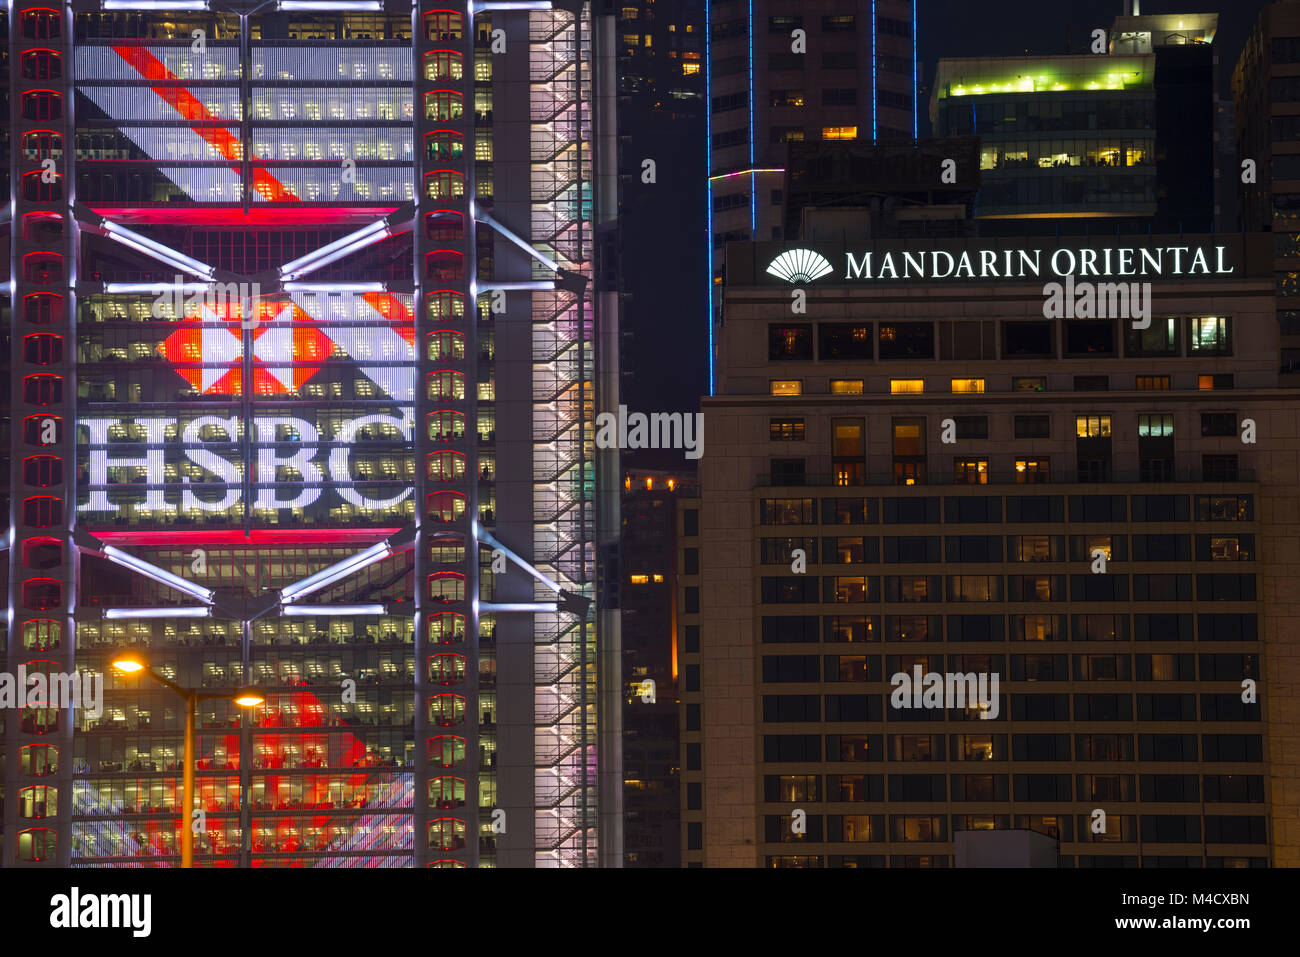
x=393, y=309
x=191, y=108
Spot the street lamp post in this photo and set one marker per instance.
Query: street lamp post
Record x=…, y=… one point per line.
x=132, y=663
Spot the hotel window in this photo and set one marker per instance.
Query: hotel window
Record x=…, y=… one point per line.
x=1092, y=426
x=906, y=340
x=1224, y=548
x=1027, y=340
x=1037, y=628
x=909, y=451
x=1208, y=382
x=1089, y=337
x=1032, y=426
x=974, y=587
x=789, y=342
x=786, y=386
x=1155, y=425
x=844, y=341
x=1210, y=335
x=848, y=452
x=846, y=387
x=1034, y=548
x=1218, y=423
x=839, y=132
x=906, y=386
x=972, y=426
x=964, y=386
x=1146, y=383
x=1036, y=471
x=970, y=471
x=786, y=430
x=1158, y=339
x=1029, y=383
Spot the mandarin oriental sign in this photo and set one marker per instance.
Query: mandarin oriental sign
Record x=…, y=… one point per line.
x=1155, y=258
x=1160, y=261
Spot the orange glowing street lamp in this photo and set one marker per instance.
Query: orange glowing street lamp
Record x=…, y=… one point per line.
x=132, y=663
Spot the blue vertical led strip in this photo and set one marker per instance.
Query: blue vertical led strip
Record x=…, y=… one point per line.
x=873, y=71
x=753, y=177
x=916, y=107
x=708, y=183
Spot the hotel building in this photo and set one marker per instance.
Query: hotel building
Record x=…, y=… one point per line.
x=919, y=471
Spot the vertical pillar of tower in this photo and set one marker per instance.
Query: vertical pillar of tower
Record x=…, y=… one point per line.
x=42, y=559
x=445, y=428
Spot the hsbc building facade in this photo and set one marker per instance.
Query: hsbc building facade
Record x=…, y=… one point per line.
x=359, y=478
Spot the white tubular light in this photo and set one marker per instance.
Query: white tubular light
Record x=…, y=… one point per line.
x=333, y=287
x=534, y=606
x=326, y=6
x=514, y=5
x=157, y=250
x=327, y=576
x=335, y=250
x=533, y=285
x=161, y=575
x=518, y=241
x=154, y=287
x=155, y=4
x=187, y=612
x=332, y=610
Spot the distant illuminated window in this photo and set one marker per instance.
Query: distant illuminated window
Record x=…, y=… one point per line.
x=1032, y=471
x=690, y=69
x=846, y=387
x=967, y=385
x=1155, y=425
x=906, y=386
x=640, y=579
x=1146, y=383
x=659, y=579
x=839, y=132
x=1092, y=426
x=786, y=387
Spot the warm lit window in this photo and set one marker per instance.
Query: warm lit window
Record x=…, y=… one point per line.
x=786, y=430
x=1032, y=471
x=786, y=387
x=659, y=579
x=1152, y=382
x=690, y=69
x=839, y=132
x=967, y=385
x=1092, y=426
x=640, y=579
x=906, y=386
x=970, y=471
x=846, y=387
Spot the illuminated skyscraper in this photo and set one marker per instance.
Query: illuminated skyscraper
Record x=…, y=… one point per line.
x=314, y=329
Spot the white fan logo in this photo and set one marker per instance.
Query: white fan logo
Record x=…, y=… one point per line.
x=799, y=265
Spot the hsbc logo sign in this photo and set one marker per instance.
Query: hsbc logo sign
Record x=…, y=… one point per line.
x=321, y=469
